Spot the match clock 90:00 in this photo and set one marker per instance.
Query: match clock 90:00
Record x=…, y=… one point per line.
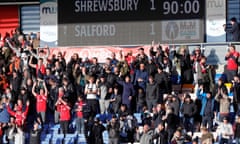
x=181, y=7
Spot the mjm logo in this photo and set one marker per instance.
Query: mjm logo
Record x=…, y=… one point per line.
x=215, y=3
x=49, y=10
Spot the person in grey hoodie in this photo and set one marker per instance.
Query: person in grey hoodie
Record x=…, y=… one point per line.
x=147, y=137
x=152, y=93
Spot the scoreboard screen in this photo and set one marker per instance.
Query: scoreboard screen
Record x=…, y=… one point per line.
x=129, y=22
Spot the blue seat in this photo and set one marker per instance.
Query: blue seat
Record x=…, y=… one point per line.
x=105, y=134
x=138, y=117
x=69, y=140
x=45, y=142
x=45, y=136
x=220, y=75
x=71, y=135
x=81, y=141
x=57, y=138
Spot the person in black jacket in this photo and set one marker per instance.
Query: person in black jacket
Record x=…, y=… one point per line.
x=188, y=110
x=152, y=93
x=158, y=114
x=162, y=80
x=160, y=136
x=234, y=30
x=172, y=121
x=96, y=132
x=35, y=134
x=183, y=58
x=236, y=93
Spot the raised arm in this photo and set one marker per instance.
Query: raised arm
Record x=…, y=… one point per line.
x=33, y=89
x=13, y=48
x=33, y=54
x=30, y=63
x=48, y=53
x=45, y=89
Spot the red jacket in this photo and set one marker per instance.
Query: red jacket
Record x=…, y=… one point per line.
x=42, y=69
x=232, y=61
x=41, y=103
x=19, y=116
x=80, y=105
x=64, y=111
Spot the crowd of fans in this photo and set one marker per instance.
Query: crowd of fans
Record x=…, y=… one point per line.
x=38, y=89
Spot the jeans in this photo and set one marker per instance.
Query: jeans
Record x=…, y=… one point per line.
x=151, y=104
x=113, y=140
x=230, y=74
x=64, y=126
x=43, y=116
x=224, y=141
x=80, y=125
x=56, y=116
x=207, y=120
x=104, y=104
x=188, y=123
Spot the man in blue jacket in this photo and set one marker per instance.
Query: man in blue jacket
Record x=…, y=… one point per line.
x=207, y=107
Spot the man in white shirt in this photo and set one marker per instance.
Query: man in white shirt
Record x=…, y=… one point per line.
x=225, y=131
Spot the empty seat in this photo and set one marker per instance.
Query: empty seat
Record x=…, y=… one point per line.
x=138, y=117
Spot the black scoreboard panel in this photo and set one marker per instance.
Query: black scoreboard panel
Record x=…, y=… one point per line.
x=4, y=1
x=124, y=22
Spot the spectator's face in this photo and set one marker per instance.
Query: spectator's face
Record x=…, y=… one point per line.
x=102, y=79
x=91, y=80
x=219, y=82
x=231, y=49
x=35, y=126
x=29, y=82
x=127, y=79
x=23, y=91
x=115, y=69
x=41, y=91
x=94, y=61
x=238, y=120
x=48, y=72
x=19, y=102
x=145, y=128
x=236, y=79
x=150, y=80
x=182, y=51
x=141, y=52
x=115, y=90
x=40, y=61
x=83, y=69
x=159, y=107
x=113, y=55
x=225, y=121
x=203, y=60
x=142, y=66
x=178, y=134
x=208, y=95
x=165, y=60
x=160, y=127
x=108, y=61
x=74, y=56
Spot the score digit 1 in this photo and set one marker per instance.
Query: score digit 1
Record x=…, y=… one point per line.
x=152, y=25
x=153, y=6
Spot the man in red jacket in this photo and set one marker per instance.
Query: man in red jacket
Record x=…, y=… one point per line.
x=19, y=115
x=232, y=62
x=64, y=111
